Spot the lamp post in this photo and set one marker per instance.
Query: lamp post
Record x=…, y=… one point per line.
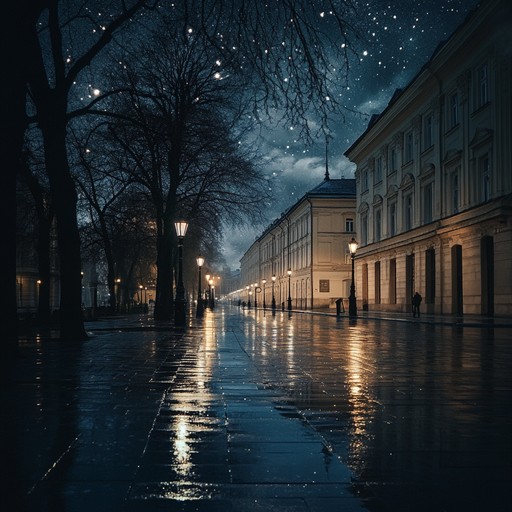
x=289, y=290
x=248, y=298
x=352, y=304
x=213, y=292
x=179, y=303
x=200, y=305
x=118, y=294
x=273, y=296
x=255, y=295
x=207, y=303
x=264, y=281
x=210, y=282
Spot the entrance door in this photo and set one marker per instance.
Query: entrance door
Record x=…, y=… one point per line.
x=487, y=274
x=457, y=296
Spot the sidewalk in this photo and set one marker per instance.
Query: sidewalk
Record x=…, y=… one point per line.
x=138, y=419
x=458, y=321
x=244, y=412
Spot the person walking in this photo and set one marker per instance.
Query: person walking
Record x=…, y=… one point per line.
x=416, y=301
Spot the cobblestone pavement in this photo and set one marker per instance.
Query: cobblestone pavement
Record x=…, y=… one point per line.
x=249, y=411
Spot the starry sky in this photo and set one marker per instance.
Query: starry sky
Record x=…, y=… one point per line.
x=399, y=37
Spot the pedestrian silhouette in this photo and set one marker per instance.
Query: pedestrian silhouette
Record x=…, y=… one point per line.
x=416, y=301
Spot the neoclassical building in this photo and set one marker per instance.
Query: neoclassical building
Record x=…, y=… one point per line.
x=306, y=250
x=434, y=180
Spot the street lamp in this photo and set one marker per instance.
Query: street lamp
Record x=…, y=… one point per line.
x=289, y=290
x=200, y=305
x=352, y=305
x=255, y=295
x=118, y=294
x=273, y=296
x=179, y=303
x=264, y=281
x=248, y=298
x=212, y=281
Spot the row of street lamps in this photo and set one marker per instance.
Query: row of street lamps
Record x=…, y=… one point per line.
x=180, y=301
x=352, y=303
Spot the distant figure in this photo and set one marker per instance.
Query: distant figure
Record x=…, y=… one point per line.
x=416, y=301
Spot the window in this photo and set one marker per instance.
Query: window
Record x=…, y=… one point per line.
x=428, y=194
x=485, y=179
x=392, y=218
x=482, y=85
x=455, y=191
x=392, y=160
x=408, y=211
x=364, y=229
x=408, y=147
x=428, y=131
x=349, y=225
x=378, y=225
x=364, y=180
x=378, y=170
x=453, y=110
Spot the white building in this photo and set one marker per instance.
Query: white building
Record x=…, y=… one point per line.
x=434, y=180
x=311, y=241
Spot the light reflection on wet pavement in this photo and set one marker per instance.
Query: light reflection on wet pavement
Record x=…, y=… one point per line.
x=246, y=411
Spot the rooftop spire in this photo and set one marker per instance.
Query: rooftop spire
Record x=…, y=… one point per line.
x=327, y=178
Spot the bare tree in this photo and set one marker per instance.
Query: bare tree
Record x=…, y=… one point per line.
x=283, y=50
x=57, y=57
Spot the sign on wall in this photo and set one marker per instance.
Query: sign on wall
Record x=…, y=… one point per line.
x=324, y=285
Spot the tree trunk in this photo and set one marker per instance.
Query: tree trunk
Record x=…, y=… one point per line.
x=164, y=295
x=64, y=199
x=43, y=256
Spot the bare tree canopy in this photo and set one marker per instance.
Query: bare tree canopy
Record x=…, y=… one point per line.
x=286, y=59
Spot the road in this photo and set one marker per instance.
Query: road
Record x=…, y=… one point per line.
x=246, y=411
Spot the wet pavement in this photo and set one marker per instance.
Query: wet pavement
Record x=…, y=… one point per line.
x=246, y=411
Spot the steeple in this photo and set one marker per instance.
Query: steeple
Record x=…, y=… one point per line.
x=327, y=178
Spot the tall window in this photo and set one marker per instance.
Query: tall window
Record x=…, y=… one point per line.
x=428, y=131
x=485, y=178
x=455, y=191
x=453, y=110
x=428, y=195
x=378, y=224
x=392, y=218
x=364, y=229
x=349, y=225
x=408, y=147
x=482, y=85
x=378, y=169
x=408, y=211
x=364, y=180
x=392, y=161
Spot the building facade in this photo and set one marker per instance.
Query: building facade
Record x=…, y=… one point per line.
x=434, y=180
x=306, y=250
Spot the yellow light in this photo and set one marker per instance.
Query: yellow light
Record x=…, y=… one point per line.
x=352, y=246
x=181, y=227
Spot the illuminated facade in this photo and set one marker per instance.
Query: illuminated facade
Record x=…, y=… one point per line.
x=311, y=240
x=434, y=180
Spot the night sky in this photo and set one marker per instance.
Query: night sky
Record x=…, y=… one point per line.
x=400, y=36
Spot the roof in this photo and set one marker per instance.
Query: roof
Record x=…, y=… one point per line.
x=343, y=188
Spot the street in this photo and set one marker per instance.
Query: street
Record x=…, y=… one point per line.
x=246, y=411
